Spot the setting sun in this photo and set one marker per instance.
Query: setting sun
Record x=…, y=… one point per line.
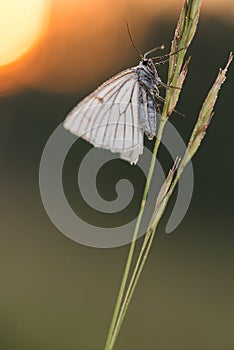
x=21, y=24
x=65, y=46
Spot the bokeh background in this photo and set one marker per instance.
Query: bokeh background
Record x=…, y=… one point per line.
x=57, y=294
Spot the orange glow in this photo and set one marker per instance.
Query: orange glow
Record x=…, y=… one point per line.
x=86, y=40
x=22, y=23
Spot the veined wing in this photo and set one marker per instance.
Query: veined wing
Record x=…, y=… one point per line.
x=109, y=117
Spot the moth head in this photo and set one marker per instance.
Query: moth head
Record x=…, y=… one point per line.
x=148, y=62
x=145, y=61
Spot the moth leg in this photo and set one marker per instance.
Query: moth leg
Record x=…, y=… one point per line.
x=160, y=98
x=158, y=109
x=174, y=110
x=162, y=62
x=168, y=86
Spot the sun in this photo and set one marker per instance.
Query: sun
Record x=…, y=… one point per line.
x=22, y=23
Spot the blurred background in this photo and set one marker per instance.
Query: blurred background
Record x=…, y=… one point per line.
x=57, y=294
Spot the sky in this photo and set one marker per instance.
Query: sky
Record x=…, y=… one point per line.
x=64, y=45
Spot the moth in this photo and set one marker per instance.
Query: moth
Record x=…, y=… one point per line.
x=120, y=111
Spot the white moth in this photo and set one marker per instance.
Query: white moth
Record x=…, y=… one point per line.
x=118, y=113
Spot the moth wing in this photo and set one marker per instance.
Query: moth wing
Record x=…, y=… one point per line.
x=109, y=117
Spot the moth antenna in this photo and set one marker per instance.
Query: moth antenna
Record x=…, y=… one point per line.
x=132, y=41
x=154, y=49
